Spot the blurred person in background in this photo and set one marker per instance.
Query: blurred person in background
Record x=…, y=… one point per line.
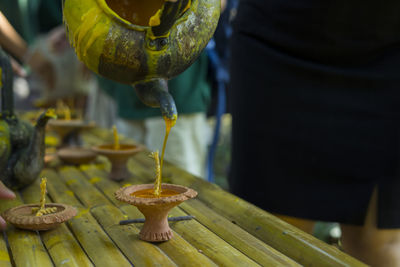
x=33, y=34
x=315, y=93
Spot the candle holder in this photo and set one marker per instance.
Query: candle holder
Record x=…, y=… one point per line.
x=23, y=217
x=76, y=155
x=68, y=130
x=118, y=158
x=155, y=209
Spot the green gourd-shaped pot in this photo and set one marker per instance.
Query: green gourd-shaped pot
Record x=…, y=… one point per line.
x=22, y=146
x=141, y=42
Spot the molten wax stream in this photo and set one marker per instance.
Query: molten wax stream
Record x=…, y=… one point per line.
x=168, y=125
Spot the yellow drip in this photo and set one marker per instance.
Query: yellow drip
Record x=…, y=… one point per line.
x=116, y=139
x=96, y=33
x=86, y=27
x=155, y=19
x=187, y=6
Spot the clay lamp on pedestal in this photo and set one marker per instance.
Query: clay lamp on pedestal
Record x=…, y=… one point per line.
x=68, y=128
x=76, y=155
x=118, y=155
x=154, y=201
x=39, y=216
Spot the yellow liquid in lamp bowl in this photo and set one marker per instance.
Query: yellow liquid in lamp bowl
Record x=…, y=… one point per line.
x=149, y=193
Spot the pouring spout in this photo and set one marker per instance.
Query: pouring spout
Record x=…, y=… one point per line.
x=154, y=93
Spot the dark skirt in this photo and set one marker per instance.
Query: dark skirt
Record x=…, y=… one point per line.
x=313, y=139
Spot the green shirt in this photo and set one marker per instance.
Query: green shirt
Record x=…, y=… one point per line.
x=191, y=91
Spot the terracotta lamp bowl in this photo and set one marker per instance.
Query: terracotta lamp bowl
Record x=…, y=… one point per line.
x=76, y=155
x=118, y=158
x=66, y=128
x=155, y=209
x=22, y=216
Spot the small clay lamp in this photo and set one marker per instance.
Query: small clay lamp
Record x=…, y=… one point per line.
x=67, y=128
x=154, y=201
x=118, y=155
x=39, y=216
x=76, y=155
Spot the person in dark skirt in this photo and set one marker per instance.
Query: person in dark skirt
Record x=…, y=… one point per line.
x=315, y=100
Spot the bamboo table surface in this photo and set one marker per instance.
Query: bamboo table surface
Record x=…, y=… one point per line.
x=226, y=230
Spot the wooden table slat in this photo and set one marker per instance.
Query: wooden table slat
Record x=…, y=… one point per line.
x=4, y=257
x=27, y=248
x=78, y=183
x=98, y=178
x=99, y=247
x=58, y=190
x=209, y=243
x=236, y=236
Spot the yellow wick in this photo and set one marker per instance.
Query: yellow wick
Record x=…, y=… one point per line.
x=42, y=195
x=62, y=108
x=157, y=183
x=42, y=210
x=67, y=113
x=116, y=139
x=59, y=106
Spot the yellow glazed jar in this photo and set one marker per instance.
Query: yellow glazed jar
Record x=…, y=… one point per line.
x=140, y=41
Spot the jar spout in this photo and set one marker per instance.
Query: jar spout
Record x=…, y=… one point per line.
x=154, y=93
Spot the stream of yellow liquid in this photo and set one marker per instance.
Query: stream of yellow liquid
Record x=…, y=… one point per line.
x=157, y=191
x=168, y=125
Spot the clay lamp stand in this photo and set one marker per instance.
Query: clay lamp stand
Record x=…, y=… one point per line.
x=39, y=216
x=154, y=201
x=68, y=128
x=118, y=155
x=155, y=209
x=76, y=155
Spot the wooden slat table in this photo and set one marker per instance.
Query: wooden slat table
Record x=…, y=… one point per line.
x=226, y=231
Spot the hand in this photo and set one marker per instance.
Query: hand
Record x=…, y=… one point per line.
x=17, y=68
x=43, y=68
x=57, y=39
x=223, y=5
x=5, y=193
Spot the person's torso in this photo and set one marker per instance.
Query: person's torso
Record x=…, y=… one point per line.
x=328, y=31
